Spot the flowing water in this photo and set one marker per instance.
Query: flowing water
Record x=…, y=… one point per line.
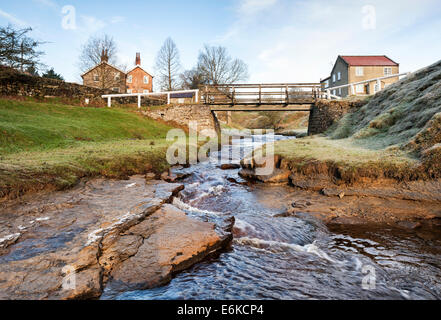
x=291, y=257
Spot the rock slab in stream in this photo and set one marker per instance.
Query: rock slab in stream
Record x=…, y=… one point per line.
x=172, y=242
x=67, y=245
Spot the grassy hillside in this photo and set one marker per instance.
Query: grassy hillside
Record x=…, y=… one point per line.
x=53, y=145
x=32, y=126
x=397, y=134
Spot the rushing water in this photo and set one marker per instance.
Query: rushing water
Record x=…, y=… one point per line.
x=292, y=257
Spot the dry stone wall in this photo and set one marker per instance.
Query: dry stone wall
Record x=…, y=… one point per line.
x=184, y=114
x=325, y=113
x=13, y=83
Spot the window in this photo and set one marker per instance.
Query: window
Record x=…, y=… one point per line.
x=326, y=83
x=376, y=88
x=359, y=71
x=116, y=89
x=388, y=71
x=333, y=77
x=339, y=76
x=146, y=79
x=359, y=88
x=129, y=91
x=129, y=79
x=96, y=78
x=333, y=92
x=146, y=91
x=339, y=91
x=117, y=76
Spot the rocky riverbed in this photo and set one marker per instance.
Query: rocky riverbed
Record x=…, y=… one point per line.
x=102, y=235
x=378, y=200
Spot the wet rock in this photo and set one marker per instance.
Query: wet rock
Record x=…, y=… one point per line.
x=276, y=176
x=412, y=225
x=230, y=166
x=150, y=176
x=83, y=233
x=173, y=243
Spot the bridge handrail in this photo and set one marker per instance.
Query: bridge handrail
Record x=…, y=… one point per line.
x=368, y=81
x=139, y=95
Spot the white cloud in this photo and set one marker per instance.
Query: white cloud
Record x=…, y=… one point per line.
x=298, y=41
x=117, y=19
x=47, y=3
x=91, y=24
x=12, y=19
x=247, y=11
x=252, y=7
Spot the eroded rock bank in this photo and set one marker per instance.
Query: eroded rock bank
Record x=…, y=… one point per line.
x=76, y=244
x=368, y=200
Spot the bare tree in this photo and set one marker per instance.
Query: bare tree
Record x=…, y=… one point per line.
x=92, y=52
x=168, y=65
x=192, y=79
x=18, y=50
x=217, y=67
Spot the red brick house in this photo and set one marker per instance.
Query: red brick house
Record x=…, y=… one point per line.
x=138, y=80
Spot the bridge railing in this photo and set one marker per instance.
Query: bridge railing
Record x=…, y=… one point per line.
x=166, y=95
x=260, y=94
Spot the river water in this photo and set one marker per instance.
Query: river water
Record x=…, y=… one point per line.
x=293, y=257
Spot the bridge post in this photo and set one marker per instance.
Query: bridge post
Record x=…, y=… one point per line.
x=328, y=94
x=287, y=95
x=260, y=94
x=139, y=101
x=109, y=101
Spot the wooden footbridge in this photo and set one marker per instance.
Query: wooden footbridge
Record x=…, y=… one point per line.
x=262, y=97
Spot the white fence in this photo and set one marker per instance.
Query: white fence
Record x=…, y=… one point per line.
x=352, y=85
x=140, y=95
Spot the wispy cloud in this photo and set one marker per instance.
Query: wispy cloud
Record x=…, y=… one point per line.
x=252, y=7
x=47, y=3
x=13, y=19
x=247, y=11
x=299, y=40
x=91, y=24
x=117, y=19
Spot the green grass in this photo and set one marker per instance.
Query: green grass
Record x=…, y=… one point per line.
x=51, y=145
x=33, y=126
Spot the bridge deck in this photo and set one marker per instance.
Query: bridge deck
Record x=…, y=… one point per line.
x=266, y=107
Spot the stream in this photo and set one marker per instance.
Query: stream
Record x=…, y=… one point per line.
x=293, y=257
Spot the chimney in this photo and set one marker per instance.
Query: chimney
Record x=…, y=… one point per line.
x=105, y=55
x=138, y=59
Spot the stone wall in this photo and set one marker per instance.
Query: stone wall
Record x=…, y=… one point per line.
x=325, y=113
x=13, y=83
x=183, y=114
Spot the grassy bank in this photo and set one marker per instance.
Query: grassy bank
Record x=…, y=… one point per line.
x=396, y=134
x=51, y=145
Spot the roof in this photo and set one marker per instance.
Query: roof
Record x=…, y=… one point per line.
x=369, y=61
x=141, y=69
x=103, y=62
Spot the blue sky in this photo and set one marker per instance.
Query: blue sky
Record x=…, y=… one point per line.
x=280, y=40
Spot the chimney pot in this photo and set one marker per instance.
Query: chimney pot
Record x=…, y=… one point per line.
x=105, y=56
x=138, y=59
